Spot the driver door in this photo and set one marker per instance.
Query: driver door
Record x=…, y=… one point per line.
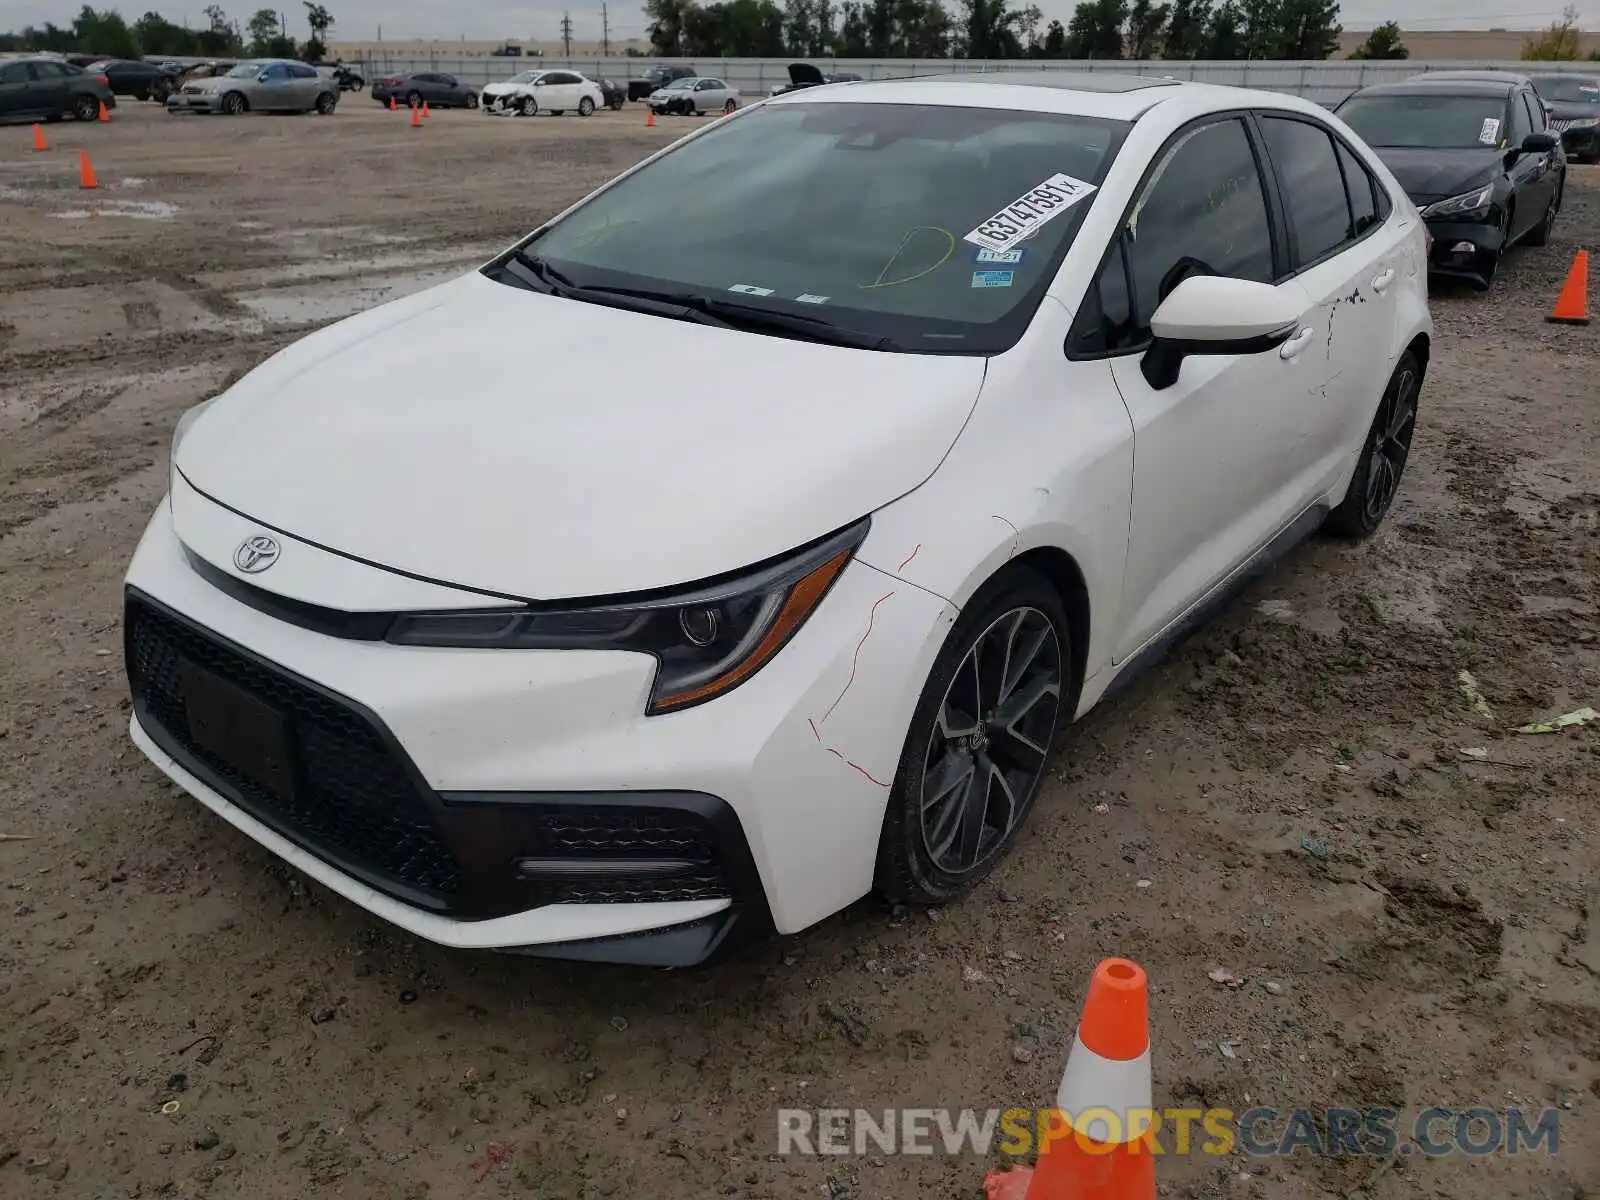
x=1210, y=477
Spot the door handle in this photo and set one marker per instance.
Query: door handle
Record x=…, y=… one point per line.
x=1382, y=282
x=1297, y=343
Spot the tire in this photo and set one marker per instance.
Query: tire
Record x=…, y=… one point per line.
x=616, y=104
x=160, y=93
x=233, y=104
x=325, y=103
x=1540, y=234
x=1384, y=452
x=929, y=851
x=141, y=96
x=85, y=107
x=472, y=99
x=528, y=106
x=586, y=107
x=730, y=107
x=413, y=99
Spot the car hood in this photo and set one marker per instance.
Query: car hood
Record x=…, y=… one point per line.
x=1429, y=175
x=481, y=435
x=505, y=85
x=1572, y=111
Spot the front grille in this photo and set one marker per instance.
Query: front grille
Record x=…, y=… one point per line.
x=353, y=802
x=620, y=833
x=193, y=91
x=1559, y=126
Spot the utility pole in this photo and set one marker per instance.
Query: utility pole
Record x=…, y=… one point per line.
x=566, y=34
x=605, y=31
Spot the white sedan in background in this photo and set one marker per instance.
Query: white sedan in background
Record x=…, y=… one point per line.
x=693, y=95
x=553, y=91
x=1002, y=384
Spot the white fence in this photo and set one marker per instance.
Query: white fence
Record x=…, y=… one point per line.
x=1326, y=82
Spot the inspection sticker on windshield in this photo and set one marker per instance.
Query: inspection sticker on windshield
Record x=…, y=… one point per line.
x=989, y=279
x=750, y=289
x=1490, y=133
x=999, y=256
x=1029, y=211
x=810, y=298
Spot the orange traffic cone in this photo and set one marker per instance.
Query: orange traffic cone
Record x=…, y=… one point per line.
x=392, y=105
x=1110, y=1153
x=416, y=118
x=86, y=179
x=425, y=111
x=1572, y=306
x=105, y=113
x=38, y=139
x=650, y=118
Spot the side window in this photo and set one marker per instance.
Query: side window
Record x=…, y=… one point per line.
x=46, y=71
x=448, y=80
x=1313, y=187
x=1362, y=189
x=303, y=72
x=1519, y=127
x=1203, y=212
x=277, y=72
x=1105, y=322
x=14, y=73
x=1535, y=112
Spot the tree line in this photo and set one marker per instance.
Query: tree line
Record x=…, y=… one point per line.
x=267, y=34
x=1105, y=29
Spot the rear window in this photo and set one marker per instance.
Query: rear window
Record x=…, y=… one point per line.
x=937, y=227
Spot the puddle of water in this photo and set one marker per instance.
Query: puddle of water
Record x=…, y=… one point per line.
x=137, y=210
x=333, y=300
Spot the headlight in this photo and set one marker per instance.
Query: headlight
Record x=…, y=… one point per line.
x=707, y=640
x=1460, y=205
x=1583, y=123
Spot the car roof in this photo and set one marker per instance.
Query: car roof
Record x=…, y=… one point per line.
x=1442, y=87
x=1114, y=95
x=1485, y=75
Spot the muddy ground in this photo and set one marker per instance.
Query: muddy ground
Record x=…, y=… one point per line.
x=1288, y=799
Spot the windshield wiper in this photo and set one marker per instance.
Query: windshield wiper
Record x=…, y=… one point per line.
x=706, y=310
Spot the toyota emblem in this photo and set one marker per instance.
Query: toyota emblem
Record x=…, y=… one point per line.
x=255, y=554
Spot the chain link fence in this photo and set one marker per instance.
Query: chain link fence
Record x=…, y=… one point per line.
x=1326, y=82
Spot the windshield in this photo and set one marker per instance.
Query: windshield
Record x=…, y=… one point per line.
x=244, y=69
x=937, y=228
x=1426, y=122
x=678, y=85
x=1569, y=89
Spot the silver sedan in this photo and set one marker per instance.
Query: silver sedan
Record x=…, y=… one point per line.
x=261, y=85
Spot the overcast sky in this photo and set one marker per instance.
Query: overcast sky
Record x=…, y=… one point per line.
x=361, y=20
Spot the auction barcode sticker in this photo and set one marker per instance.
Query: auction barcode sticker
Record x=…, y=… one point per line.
x=1029, y=211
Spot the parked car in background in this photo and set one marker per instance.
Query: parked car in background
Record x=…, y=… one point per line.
x=1573, y=103
x=839, y=660
x=1476, y=157
x=693, y=95
x=804, y=75
x=41, y=88
x=260, y=85
x=656, y=78
x=554, y=91
x=141, y=80
x=433, y=88
x=616, y=94
x=349, y=79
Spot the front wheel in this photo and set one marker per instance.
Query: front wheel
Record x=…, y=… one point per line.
x=979, y=741
x=586, y=107
x=1547, y=224
x=616, y=104
x=528, y=107
x=1383, y=455
x=413, y=99
x=472, y=99
x=729, y=107
x=233, y=104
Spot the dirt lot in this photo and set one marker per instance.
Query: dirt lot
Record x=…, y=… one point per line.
x=1287, y=799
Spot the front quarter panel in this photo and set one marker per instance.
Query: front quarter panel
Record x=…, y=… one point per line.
x=1045, y=462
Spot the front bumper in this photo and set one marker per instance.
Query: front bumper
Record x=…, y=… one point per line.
x=1464, y=249
x=208, y=102
x=505, y=799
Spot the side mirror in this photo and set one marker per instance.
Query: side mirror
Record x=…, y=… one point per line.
x=1539, y=143
x=263, y=77
x=1213, y=314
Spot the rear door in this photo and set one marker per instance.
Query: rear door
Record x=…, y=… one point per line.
x=307, y=84
x=1544, y=177
x=18, y=94
x=1350, y=265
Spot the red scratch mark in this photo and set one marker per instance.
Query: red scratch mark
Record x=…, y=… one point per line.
x=814, y=732
x=855, y=659
x=499, y=1153
x=865, y=772
x=909, y=557
x=1016, y=539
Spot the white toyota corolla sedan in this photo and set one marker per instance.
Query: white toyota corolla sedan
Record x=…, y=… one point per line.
x=990, y=389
